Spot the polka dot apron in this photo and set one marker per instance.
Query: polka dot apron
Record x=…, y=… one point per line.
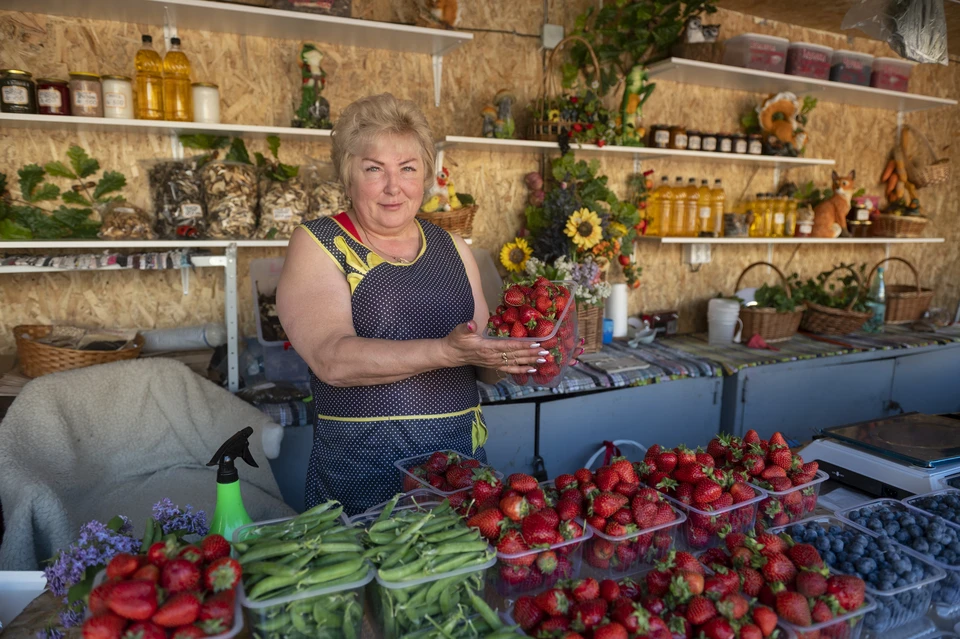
x=361, y=430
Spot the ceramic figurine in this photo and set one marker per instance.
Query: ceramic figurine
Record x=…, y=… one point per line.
x=445, y=13
x=314, y=110
x=635, y=94
x=489, y=115
x=694, y=30
x=710, y=32
x=781, y=119
x=438, y=197
x=830, y=216
x=504, y=126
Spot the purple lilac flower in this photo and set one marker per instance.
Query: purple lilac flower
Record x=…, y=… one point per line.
x=96, y=546
x=51, y=633
x=71, y=616
x=172, y=518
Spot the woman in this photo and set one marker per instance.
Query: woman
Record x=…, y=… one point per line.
x=387, y=309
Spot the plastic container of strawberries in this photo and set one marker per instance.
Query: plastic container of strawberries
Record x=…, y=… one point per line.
x=411, y=481
x=562, y=342
x=796, y=503
x=848, y=626
x=611, y=557
x=702, y=528
x=896, y=607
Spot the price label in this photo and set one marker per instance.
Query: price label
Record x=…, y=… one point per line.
x=49, y=98
x=191, y=211
x=86, y=99
x=806, y=228
x=704, y=212
x=662, y=138
x=680, y=142
x=115, y=100
x=778, y=218
x=15, y=95
x=284, y=214
x=710, y=144
x=863, y=215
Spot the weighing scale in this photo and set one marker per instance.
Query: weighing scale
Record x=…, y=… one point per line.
x=896, y=457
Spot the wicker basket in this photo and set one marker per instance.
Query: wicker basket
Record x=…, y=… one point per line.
x=768, y=323
x=549, y=130
x=885, y=225
x=37, y=358
x=459, y=221
x=905, y=303
x=590, y=321
x=835, y=321
x=921, y=174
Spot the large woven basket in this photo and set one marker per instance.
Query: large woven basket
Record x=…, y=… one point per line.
x=835, y=321
x=768, y=323
x=922, y=173
x=590, y=320
x=542, y=128
x=885, y=225
x=37, y=358
x=905, y=303
x=459, y=221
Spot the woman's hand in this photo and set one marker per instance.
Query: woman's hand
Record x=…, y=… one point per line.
x=465, y=346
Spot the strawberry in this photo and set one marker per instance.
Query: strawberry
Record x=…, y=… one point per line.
x=750, y=631
x=780, y=456
x=751, y=437
x=667, y=461
x=630, y=615
x=687, y=562
x=144, y=630
x=537, y=530
x=136, y=600
x=606, y=478
x=544, y=305
x=772, y=471
x=597, y=522
x=554, y=627
x=733, y=606
x=625, y=470
x=510, y=317
x=214, y=547
x=188, y=632
x=179, y=574
x=542, y=328
x=689, y=473
x=583, y=476
x=514, y=507
x=562, y=482
x=694, y=581
x=148, y=572
x=751, y=581
x=611, y=630
x=526, y=613
x=122, y=566
x=741, y=492
x=553, y=602
x=589, y=613
x=522, y=576
x=105, y=626
x=551, y=517
x=658, y=581
x=161, y=552
x=182, y=609
x=812, y=583
x=605, y=504
x=822, y=611
x=705, y=459
x=805, y=556
x=222, y=574
x=753, y=464
x=772, y=544
x=706, y=491
x=459, y=476
x=685, y=456
x=487, y=522
x=567, y=509
x=216, y=613
x=684, y=493
x=547, y=562
x=722, y=582
x=778, y=568
x=518, y=330
x=627, y=489
x=514, y=296
x=521, y=482
x=718, y=447
x=716, y=557
x=97, y=600
x=848, y=591
x=792, y=607
x=765, y=618
x=700, y=610
x=438, y=461
x=777, y=440
x=486, y=486
x=512, y=543
x=536, y=499
x=573, y=495
x=718, y=628
x=609, y=590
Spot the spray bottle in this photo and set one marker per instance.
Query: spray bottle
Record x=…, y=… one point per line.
x=230, y=513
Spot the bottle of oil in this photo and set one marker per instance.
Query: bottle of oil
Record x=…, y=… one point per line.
x=705, y=219
x=693, y=209
x=176, y=84
x=790, y=224
x=757, y=228
x=717, y=201
x=661, y=206
x=768, y=215
x=678, y=223
x=779, y=216
x=149, y=81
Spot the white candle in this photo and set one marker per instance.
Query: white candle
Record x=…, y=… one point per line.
x=117, y=97
x=206, y=103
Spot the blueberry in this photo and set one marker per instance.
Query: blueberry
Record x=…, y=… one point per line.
x=949, y=555
x=822, y=543
x=907, y=520
x=846, y=567
x=809, y=536
x=829, y=557
x=837, y=545
x=921, y=545
x=936, y=548
x=903, y=536
x=915, y=531
x=834, y=530
x=866, y=565
x=892, y=528
x=796, y=530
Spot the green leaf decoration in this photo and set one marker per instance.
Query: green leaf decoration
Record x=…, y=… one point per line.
x=261, y=161
x=110, y=181
x=72, y=197
x=10, y=230
x=30, y=177
x=42, y=226
x=46, y=192
x=238, y=152
x=83, y=165
x=466, y=199
x=204, y=142
x=59, y=169
x=274, y=143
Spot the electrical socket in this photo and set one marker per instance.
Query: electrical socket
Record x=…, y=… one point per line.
x=552, y=35
x=694, y=254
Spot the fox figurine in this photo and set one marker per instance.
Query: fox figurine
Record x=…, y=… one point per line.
x=830, y=216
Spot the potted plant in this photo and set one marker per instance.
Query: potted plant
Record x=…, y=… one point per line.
x=775, y=314
x=832, y=308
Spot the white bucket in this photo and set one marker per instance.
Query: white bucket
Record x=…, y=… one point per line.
x=721, y=330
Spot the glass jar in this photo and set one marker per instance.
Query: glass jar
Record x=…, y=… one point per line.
x=708, y=142
x=17, y=92
x=739, y=143
x=724, y=143
x=206, y=102
x=53, y=97
x=754, y=144
x=860, y=228
x=678, y=138
x=86, y=95
x=694, y=141
x=117, y=97
x=660, y=136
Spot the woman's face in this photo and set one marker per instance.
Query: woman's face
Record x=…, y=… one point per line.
x=387, y=183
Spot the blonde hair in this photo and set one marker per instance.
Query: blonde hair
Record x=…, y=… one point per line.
x=367, y=119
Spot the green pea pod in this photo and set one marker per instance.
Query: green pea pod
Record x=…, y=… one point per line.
x=349, y=579
x=320, y=508
x=302, y=623
x=388, y=509
x=269, y=568
x=273, y=625
x=350, y=621
x=329, y=573
x=453, y=534
x=394, y=558
x=387, y=618
x=412, y=529
x=456, y=548
x=273, y=583
x=259, y=553
x=443, y=508
x=402, y=573
x=481, y=607
x=241, y=546
x=324, y=617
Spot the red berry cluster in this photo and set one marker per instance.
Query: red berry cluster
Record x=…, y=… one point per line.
x=523, y=522
x=534, y=311
x=790, y=578
x=770, y=465
x=617, y=505
x=674, y=600
x=174, y=591
x=692, y=478
x=445, y=470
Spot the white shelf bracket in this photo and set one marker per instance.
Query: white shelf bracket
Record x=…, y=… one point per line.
x=776, y=177
x=437, y=78
x=185, y=280
x=637, y=164
x=770, y=252
x=899, y=123
x=886, y=250
x=230, y=313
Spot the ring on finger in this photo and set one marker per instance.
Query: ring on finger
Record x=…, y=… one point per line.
x=503, y=356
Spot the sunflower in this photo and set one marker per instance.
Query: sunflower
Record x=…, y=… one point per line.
x=514, y=255
x=583, y=227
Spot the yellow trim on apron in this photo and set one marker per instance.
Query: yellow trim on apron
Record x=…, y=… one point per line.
x=479, y=433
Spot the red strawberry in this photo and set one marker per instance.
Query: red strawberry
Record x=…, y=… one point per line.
x=144, y=630
x=718, y=628
x=777, y=440
x=630, y=615
x=105, y=626
x=510, y=316
x=686, y=562
x=741, y=492
x=487, y=522
x=765, y=618
x=589, y=613
x=136, y=600
x=848, y=590
x=547, y=562
x=512, y=543
x=609, y=590
x=778, y=568
x=792, y=607
x=718, y=447
x=122, y=566
x=585, y=589
x=216, y=613
x=526, y=613
x=522, y=576
x=627, y=489
x=822, y=611
x=188, y=632
x=97, y=601
x=772, y=471
x=178, y=575
x=751, y=581
x=214, y=547
x=685, y=456
x=780, y=456
x=611, y=630
x=625, y=470
x=716, y=557
x=536, y=499
x=605, y=504
x=750, y=631
x=753, y=464
x=666, y=461
x=518, y=331
x=689, y=473
x=583, y=476
x=597, y=522
x=658, y=580
x=562, y=482
x=459, y=476
x=148, y=572
x=542, y=328
x=700, y=610
x=222, y=574
x=606, y=478
x=182, y=609
x=652, y=452
x=705, y=459
x=553, y=602
x=751, y=437
x=573, y=495
x=514, y=296
x=521, y=482
x=684, y=493
x=812, y=583
x=624, y=516
x=805, y=556
x=514, y=507
x=567, y=509
x=161, y=552
x=733, y=606
x=439, y=460
x=554, y=627
x=537, y=530
x=706, y=491
x=772, y=544
x=722, y=582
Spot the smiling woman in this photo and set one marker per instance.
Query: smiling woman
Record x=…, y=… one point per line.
x=385, y=308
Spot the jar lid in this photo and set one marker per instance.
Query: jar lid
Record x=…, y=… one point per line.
x=15, y=72
x=755, y=135
x=51, y=80
x=116, y=77
x=84, y=74
x=692, y=132
x=204, y=84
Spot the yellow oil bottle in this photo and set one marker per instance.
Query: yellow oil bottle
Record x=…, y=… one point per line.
x=717, y=200
x=693, y=209
x=149, y=80
x=757, y=205
x=176, y=84
x=705, y=219
x=661, y=209
x=790, y=225
x=778, y=206
x=678, y=223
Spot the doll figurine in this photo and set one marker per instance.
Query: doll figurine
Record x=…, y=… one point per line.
x=314, y=110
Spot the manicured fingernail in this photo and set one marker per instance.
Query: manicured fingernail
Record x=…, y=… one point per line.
x=541, y=361
x=534, y=346
x=582, y=340
x=544, y=353
x=532, y=370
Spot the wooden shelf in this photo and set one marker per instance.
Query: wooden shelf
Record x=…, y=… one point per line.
x=792, y=240
x=722, y=76
x=205, y=15
x=112, y=125
x=645, y=153
x=139, y=244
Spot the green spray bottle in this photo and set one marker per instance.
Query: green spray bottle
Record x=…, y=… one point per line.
x=230, y=513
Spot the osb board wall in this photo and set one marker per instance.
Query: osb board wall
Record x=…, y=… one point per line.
x=257, y=78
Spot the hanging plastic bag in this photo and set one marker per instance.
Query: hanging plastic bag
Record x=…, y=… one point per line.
x=177, y=197
x=124, y=221
x=916, y=29
x=230, y=189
